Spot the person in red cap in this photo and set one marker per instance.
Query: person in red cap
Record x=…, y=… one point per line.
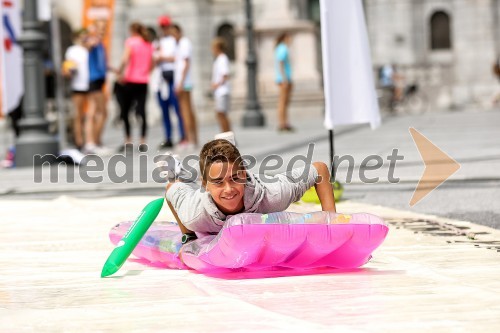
x=164, y=21
x=165, y=59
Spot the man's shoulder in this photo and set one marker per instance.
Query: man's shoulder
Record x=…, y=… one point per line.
x=96, y=49
x=221, y=59
x=281, y=50
x=224, y=59
x=167, y=41
x=71, y=50
x=131, y=40
x=189, y=187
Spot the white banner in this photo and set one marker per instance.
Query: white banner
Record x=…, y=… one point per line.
x=350, y=96
x=11, y=55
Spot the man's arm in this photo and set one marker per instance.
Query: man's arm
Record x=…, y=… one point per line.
x=166, y=59
x=218, y=84
x=180, y=86
x=184, y=230
x=324, y=188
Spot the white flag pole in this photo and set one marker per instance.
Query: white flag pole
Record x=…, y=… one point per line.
x=332, y=158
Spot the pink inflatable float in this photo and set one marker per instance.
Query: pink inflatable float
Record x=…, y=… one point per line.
x=255, y=242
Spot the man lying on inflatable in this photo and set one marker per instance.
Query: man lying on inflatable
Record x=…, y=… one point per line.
x=229, y=189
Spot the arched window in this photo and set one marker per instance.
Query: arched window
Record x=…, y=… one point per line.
x=440, y=31
x=226, y=32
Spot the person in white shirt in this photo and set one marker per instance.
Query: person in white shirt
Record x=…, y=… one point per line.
x=220, y=83
x=165, y=59
x=76, y=67
x=184, y=84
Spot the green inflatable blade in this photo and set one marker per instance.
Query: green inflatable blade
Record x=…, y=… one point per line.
x=130, y=240
x=312, y=197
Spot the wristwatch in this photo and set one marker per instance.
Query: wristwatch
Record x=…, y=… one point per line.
x=188, y=237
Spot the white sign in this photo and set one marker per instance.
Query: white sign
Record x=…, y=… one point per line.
x=11, y=60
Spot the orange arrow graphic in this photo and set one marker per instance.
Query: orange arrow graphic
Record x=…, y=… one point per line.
x=439, y=166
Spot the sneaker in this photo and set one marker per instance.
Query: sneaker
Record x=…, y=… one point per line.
x=229, y=136
x=165, y=145
x=89, y=148
x=103, y=151
x=186, y=147
x=182, y=145
x=191, y=148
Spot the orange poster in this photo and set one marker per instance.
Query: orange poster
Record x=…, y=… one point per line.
x=99, y=13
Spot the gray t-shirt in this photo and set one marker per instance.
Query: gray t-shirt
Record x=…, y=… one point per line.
x=263, y=194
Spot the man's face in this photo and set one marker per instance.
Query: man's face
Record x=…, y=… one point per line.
x=175, y=33
x=226, y=184
x=82, y=38
x=166, y=30
x=215, y=50
x=92, y=30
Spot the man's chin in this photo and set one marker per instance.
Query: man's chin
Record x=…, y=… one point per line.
x=231, y=206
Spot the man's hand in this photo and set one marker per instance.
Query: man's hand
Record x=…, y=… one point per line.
x=178, y=89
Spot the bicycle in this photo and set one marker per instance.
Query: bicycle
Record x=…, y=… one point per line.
x=413, y=100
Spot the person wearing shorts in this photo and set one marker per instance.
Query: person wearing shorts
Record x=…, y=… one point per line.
x=76, y=68
x=97, y=77
x=283, y=70
x=220, y=83
x=184, y=85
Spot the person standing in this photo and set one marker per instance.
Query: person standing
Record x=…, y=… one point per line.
x=166, y=96
x=76, y=67
x=97, y=100
x=220, y=83
x=283, y=70
x=184, y=85
x=133, y=73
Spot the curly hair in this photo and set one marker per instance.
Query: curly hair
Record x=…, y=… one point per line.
x=218, y=150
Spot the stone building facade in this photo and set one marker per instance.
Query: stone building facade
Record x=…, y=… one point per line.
x=447, y=47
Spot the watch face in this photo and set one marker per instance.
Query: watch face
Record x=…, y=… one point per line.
x=186, y=238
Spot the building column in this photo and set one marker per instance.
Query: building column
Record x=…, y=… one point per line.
x=34, y=137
